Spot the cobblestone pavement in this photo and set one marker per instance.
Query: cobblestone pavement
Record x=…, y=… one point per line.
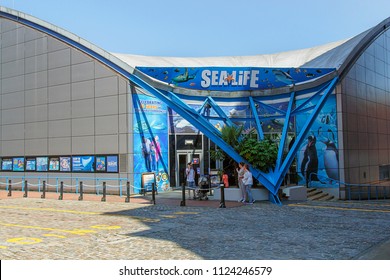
x=35, y=228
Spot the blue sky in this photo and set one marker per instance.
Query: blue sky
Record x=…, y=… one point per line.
x=207, y=27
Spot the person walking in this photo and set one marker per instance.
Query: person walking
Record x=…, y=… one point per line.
x=190, y=175
x=248, y=182
x=240, y=172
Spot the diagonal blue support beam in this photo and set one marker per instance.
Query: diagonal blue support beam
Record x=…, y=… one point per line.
x=269, y=106
x=220, y=112
x=285, y=130
x=257, y=120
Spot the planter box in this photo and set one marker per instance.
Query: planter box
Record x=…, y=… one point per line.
x=295, y=193
x=234, y=194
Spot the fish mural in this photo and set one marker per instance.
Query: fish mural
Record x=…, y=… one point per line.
x=233, y=78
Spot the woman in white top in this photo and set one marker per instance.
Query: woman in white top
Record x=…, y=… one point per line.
x=248, y=182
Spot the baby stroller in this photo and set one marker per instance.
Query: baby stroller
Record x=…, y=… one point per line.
x=203, y=188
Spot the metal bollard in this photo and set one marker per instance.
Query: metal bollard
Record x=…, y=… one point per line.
x=153, y=194
x=81, y=196
x=43, y=195
x=222, y=204
x=61, y=191
x=9, y=188
x=127, y=192
x=104, y=191
x=183, y=195
x=25, y=189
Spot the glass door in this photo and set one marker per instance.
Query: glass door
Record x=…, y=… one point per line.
x=183, y=158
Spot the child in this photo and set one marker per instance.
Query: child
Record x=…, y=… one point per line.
x=225, y=179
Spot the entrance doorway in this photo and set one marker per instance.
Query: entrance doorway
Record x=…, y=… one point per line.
x=183, y=158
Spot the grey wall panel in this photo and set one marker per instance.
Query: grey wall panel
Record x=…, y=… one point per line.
x=59, y=76
x=36, y=80
x=83, y=145
x=12, y=53
x=106, y=106
x=12, y=100
x=59, y=93
x=12, y=132
x=102, y=71
x=83, y=90
x=59, y=111
x=36, y=47
x=60, y=146
x=36, y=113
x=60, y=128
x=7, y=25
x=122, y=104
x=36, y=130
x=83, y=108
x=12, y=37
x=78, y=57
x=106, y=144
x=31, y=34
x=36, y=147
x=36, y=64
x=106, y=125
x=12, y=148
x=123, y=124
x=55, y=45
x=83, y=126
x=59, y=58
x=106, y=86
x=123, y=143
x=35, y=97
x=12, y=116
x=12, y=68
x=13, y=84
x=83, y=72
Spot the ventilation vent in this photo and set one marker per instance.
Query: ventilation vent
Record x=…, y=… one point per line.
x=123, y=163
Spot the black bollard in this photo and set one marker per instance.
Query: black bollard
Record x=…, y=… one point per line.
x=222, y=204
x=25, y=189
x=81, y=196
x=61, y=191
x=183, y=196
x=9, y=188
x=104, y=191
x=43, y=195
x=153, y=194
x=127, y=192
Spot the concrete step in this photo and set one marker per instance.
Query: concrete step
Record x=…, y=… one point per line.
x=316, y=194
x=327, y=197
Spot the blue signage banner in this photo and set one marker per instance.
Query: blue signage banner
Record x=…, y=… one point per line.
x=233, y=78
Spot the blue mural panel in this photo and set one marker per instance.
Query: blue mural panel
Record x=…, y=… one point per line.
x=150, y=127
x=319, y=152
x=233, y=78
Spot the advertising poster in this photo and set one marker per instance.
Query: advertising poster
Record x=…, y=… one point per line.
x=83, y=163
x=319, y=152
x=54, y=164
x=100, y=164
x=31, y=164
x=112, y=164
x=42, y=163
x=6, y=164
x=65, y=163
x=18, y=164
x=150, y=140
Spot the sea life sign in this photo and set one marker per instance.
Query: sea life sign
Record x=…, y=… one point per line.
x=233, y=78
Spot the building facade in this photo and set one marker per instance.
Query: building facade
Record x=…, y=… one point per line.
x=71, y=111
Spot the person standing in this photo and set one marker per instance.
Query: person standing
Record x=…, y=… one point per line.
x=146, y=153
x=248, y=182
x=190, y=175
x=240, y=173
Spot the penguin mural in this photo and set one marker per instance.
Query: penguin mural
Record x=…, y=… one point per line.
x=331, y=158
x=309, y=163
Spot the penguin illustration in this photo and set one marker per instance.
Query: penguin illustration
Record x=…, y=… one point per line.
x=309, y=163
x=331, y=158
